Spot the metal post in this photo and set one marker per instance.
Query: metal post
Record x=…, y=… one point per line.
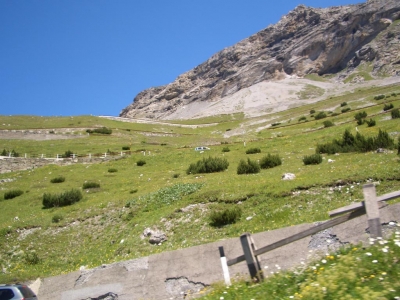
x=251, y=259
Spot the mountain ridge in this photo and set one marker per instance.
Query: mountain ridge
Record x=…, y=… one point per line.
x=331, y=42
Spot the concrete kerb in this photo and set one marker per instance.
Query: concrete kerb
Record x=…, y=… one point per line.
x=175, y=274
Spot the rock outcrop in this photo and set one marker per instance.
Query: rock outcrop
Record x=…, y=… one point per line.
x=305, y=41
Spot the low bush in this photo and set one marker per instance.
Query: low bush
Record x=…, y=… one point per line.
x=67, y=154
x=270, y=161
x=328, y=123
x=313, y=159
x=11, y=153
x=31, y=258
x=57, y=218
x=58, y=179
x=112, y=170
x=360, y=117
x=249, y=167
x=12, y=194
x=320, y=115
x=312, y=111
x=126, y=148
x=208, y=165
x=90, y=185
x=59, y=200
x=176, y=175
x=275, y=124
x=395, y=113
x=253, y=150
x=303, y=118
x=226, y=149
x=371, y=122
x=346, y=109
x=343, y=104
x=141, y=162
x=379, y=97
x=102, y=130
x=387, y=107
x=225, y=217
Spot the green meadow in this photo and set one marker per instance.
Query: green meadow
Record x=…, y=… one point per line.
x=106, y=225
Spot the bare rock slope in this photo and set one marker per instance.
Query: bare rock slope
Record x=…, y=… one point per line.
x=335, y=41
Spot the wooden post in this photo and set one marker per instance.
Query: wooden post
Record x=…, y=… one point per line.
x=372, y=208
x=224, y=264
x=252, y=262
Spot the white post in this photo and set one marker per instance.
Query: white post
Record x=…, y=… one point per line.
x=25, y=155
x=224, y=264
x=90, y=155
x=122, y=154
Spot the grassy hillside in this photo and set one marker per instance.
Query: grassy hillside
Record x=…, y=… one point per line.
x=107, y=223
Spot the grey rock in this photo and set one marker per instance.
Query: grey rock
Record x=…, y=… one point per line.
x=306, y=40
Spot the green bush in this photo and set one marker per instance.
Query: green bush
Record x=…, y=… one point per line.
x=126, y=148
x=226, y=149
x=312, y=111
x=343, y=104
x=141, y=162
x=360, y=117
x=249, y=167
x=387, y=107
x=383, y=140
x=379, y=97
x=395, y=114
x=371, y=122
x=320, y=115
x=102, y=130
x=58, y=179
x=90, y=185
x=270, y=161
x=112, y=170
x=57, y=218
x=8, y=153
x=328, y=123
x=208, y=165
x=303, y=118
x=313, y=159
x=275, y=124
x=226, y=216
x=176, y=175
x=346, y=109
x=253, y=150
x=12, y=194
x=64, y=199
x=31, y=258
x=67, y=154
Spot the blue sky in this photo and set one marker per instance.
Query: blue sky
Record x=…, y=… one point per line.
x=82, y=57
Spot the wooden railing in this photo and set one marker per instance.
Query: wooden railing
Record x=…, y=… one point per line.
x=370, y=206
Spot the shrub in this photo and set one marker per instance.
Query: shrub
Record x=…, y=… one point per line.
x=388, y=106
x=312, y=111
x=176, y=175
x=31, y=258
x=334, y=114
x=253, y=150
x=90, y=185
x=379, y=97
x=395, y=114
x=313, y=159
x=133, y=191
x=360, y=117
x=346, y=109
x=58, y=179
x=141, y=162
x=57, y=218
x=383, y=140
x=11, y=153
x=208, y=165
x=328, y=123
x=64, y=199
x=112, y=170
x=126, y=148
x=226, y=149
x=12, y=194
x=102, y=130
x=275, y=124
x=226, y=216
x=270, y=161
x=320, y=115
x=67, y=154
x=371, y=123
x=249, y=167
x=343, y=104
x=303, y=118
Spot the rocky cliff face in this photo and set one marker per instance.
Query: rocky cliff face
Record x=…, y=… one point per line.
x=307, y=40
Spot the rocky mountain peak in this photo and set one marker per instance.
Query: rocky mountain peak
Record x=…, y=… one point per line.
x=307, y=40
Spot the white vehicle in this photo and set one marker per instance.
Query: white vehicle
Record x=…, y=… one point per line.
x=201, y=148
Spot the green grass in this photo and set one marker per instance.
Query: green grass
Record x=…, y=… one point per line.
x=354, y=272
x=90, y=230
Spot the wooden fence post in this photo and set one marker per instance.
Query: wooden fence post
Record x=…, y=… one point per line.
x=372, y=208
x=251, y=259
x=224, y=264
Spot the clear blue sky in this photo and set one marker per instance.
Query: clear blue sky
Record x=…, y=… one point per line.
x=81, y=57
